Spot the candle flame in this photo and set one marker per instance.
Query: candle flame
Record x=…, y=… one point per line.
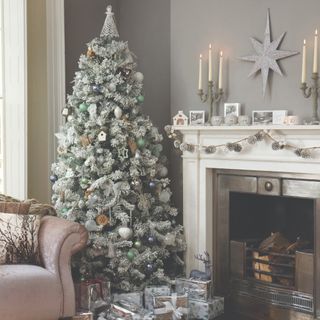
x=304, y=42
x=316, y=32
x=210, y=46
x=200, y=56
x=221, y=53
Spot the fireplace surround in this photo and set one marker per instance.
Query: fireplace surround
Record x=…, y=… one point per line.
x=208, y=181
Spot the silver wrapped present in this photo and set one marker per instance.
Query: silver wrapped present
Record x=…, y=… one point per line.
x=196, y=289
x=206, y=310
x=151, y=291
x=134, y=297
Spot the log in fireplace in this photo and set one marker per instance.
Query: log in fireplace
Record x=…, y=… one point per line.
x=267, y=284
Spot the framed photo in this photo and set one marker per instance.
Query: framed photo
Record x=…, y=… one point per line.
x=196, y=118
x=262, y=117
x=267, y=117
x=232, y=109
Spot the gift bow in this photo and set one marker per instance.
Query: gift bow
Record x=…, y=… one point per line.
x=177, y=313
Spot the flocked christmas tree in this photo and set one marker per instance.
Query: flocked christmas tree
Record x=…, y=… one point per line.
x=110, y=174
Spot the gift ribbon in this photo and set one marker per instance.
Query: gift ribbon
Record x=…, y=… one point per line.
x=177, y=313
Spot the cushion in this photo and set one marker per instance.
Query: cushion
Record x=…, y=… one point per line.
x=19, y=238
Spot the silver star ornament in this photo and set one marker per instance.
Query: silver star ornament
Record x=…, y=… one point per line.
x=267, y=54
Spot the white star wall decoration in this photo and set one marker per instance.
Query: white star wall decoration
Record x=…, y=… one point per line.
x=266, y=56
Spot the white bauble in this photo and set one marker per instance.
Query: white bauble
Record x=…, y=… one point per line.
x=165, y=196
x=125, y=233
x=112, y=87
x=169, y=239
x=139, y=76
x=70, y=117
x=163, y=172
x=92, y=226
x=118, y=112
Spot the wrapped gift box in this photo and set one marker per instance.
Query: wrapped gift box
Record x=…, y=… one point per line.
x=206, y=310
x=171, y=307
x=151, y=291
x=92, y=294
x=134, y=297
x=196, y=289
x=120, y=312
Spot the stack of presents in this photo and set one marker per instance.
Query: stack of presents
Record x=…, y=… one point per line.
x=190, y=299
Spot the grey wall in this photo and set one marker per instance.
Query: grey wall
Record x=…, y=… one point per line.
x=228, y=24
x=83, y=21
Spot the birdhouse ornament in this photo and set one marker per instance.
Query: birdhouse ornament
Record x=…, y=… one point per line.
x=180, y=119
x=102, y=136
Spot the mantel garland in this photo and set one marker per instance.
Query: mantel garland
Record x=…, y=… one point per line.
x=237, y=146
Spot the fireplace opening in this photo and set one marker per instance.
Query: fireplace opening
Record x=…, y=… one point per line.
x=272, y=239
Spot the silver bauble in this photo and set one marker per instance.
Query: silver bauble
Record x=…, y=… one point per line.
x=169, y=239
x=125, y=233
x=165, y=196
x=163, y=172
x=118, y=112
x=139, y=77
x=112, y=87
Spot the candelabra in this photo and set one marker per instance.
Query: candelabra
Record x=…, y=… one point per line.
x=213, y=96
x=313, y=92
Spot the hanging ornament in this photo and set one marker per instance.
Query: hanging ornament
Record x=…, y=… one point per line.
x=163, y=171
x=96, y=88
x=53, y=178
x=102, y=136
x=140, y=99
x=102, y=220
x=130, y=255
x=84, y=181
x=83, y=107
x=165, y=196
x=151, y=240
x=136, y=184
x=141, y=142
x=138, y=76
x=112, y=87
x=169, y=239
x=64, y=210
x=152, y=184
x=123, y=154
x=125, y=233
x=85, y=141
x=118, y=112
x=91, y=226
x=90, y=53
x=132, y=145
x=138, y=154
x=149, y=268
x=137, y=244
x=70, y=118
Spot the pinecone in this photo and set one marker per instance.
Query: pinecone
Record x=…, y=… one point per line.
x=176, y=144
x=305, y=153
x=230, y=146
x=237, y=147
x=276, y=146
x=259, y=135
x=298, y=152
x=252, y=140
x=210, y=149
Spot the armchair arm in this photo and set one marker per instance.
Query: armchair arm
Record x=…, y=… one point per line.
x=59, y=239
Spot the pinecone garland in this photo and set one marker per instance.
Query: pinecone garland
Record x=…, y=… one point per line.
x=252, y=140
x=259, y=136
x=305, y=154
x=210, y=149
x=276, y=146
x=237, y=147
x=298, y=152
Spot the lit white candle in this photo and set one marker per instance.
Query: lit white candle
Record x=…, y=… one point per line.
x=315, y=52
x=200, y=72
x=304, y=62
x=210, y=62
x=220, y=70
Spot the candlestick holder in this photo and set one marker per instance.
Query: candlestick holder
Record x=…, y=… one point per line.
x=313, y=92
x=213, y=96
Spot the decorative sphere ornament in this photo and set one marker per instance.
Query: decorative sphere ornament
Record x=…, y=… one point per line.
x=53, y=178
x=151, y=240
x=152, y=184
x=64, y=210
x=165, y=196
x=92, y=226
x=112, y=87
x=118, y=112
x=125, y=233
x=140, y=99
x=169, y=239
x=150, y=267
x=130, y=255
x=84, y=181
x=138, y=76
x=70, y=118
x=83, y=107
x=163, y=172
x=141, y=142
x=137, y=244
x=96, y=88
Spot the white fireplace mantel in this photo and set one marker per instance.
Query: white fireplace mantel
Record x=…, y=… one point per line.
x=198, y=169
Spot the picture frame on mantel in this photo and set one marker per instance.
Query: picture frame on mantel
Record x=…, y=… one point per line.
x=196, y=118
x=232, y=109
x=269, y=117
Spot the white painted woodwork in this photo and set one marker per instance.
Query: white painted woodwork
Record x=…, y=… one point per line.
x=198, y=171
x=15, y=97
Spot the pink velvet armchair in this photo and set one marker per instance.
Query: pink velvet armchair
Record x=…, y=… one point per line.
x=30, y=292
